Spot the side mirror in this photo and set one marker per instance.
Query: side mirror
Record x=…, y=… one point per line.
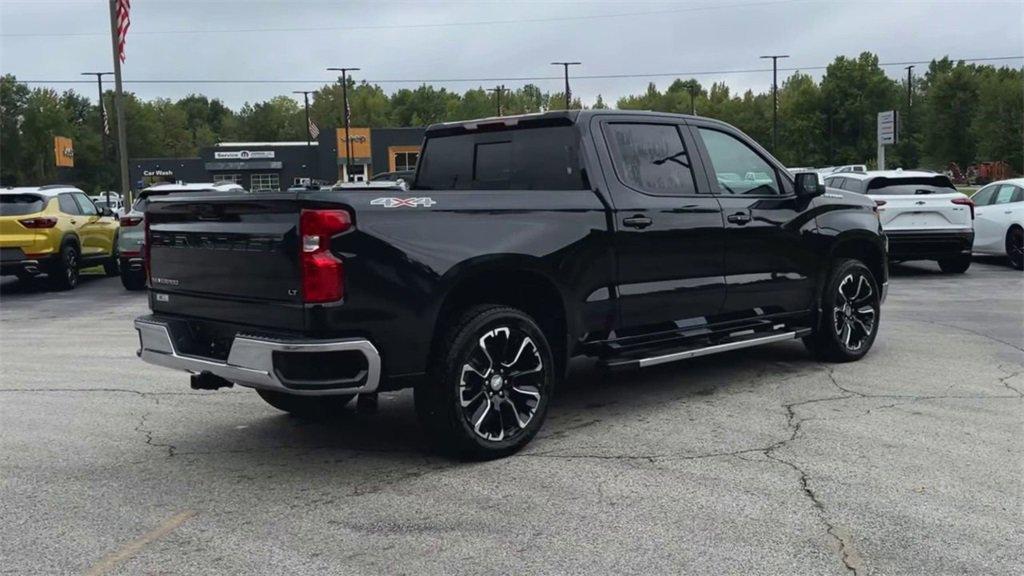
x=106, y=211
x=808, y=185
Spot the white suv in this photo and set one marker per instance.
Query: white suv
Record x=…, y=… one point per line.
x=922, y=213
x=133, y=233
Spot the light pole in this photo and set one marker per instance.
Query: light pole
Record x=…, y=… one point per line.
x=309, y=126
x=775, y=98
x=565, y=68
x=348, y=136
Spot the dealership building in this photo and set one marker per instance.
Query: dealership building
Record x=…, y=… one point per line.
x=267, y=166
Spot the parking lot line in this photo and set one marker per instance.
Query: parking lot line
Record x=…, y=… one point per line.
x=132, y=548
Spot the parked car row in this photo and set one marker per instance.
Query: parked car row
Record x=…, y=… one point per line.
x=57, y=230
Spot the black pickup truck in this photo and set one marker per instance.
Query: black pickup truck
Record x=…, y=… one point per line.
x=635, y=238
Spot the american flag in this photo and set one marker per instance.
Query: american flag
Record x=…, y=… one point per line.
x=314, y=132
x=106, y=119
x=123, y=22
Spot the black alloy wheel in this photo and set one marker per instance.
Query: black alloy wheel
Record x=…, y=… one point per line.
x=64, y=274
x=1015, y=247
x=500, y=384
x=489, y=384
x=850, y=311
x=854, y=313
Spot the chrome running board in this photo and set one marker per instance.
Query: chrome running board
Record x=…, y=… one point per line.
x=705, y=351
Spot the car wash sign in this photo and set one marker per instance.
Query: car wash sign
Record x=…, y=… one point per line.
x=244, y=155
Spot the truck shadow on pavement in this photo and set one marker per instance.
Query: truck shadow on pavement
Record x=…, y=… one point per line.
x=589, y=396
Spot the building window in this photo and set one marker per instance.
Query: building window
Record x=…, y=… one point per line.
x=265, y=183
x=403, y=158
x=406, y=161
x=234, y=178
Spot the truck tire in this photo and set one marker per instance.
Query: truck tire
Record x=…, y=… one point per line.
x=132, y=279
x=63, y=274
x=850, y=312
x=488, y=388
x=955, y=264
x=310, y=407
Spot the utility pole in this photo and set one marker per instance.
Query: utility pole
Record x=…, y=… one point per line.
x=568, y=93
x=498, y=91
x=775, y=98
x=309, y=135
x=122, y=133
x=348, y=135
x=908, y=148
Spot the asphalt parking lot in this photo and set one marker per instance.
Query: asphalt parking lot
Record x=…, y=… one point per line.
x=758, y=461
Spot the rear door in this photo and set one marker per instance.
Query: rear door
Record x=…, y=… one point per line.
x=668, y=228
x=919, y=203
x=770, y=265
x=987, y=234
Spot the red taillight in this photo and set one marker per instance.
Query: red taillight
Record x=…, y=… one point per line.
x=965, y=202
x=323, y=275
x=42, y=222
x=131, y=220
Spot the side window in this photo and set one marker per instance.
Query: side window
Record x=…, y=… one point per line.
x=1018, y=196
x=835, y=182
x=852, y=184
x=737, y=168
x=67, y=204
x=651, y=158
x=1005, y=194
x=984, y=196
x=85, y=205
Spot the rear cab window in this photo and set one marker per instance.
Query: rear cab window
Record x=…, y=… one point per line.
x=910, y=186
x=540, y=156
x=21, y=204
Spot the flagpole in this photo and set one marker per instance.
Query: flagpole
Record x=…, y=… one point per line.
x=122, y=138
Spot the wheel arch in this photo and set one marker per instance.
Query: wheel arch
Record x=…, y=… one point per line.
x=866, y=248
x=517, y=281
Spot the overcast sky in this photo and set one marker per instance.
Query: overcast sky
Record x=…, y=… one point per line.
x=293, y=41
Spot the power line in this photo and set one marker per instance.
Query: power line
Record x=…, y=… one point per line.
x=514, y=78
x=308, y=29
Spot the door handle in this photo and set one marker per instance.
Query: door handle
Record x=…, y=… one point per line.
x=740, y=218
x=638, y=221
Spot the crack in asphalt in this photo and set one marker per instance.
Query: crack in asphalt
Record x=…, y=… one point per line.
x=794, y=423
x=1005, y=381
x=141, y=427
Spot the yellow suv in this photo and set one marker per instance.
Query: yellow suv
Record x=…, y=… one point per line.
x=55, y=230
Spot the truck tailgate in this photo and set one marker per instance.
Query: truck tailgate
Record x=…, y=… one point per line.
x=239, y=248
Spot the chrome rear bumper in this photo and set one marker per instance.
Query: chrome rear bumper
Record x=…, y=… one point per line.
x=250, y=361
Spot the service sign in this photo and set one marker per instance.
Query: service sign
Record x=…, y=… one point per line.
x=244, y=155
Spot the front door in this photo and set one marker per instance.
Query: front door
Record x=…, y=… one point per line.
x=91, y=228
x=770, y=265
x=668, y=228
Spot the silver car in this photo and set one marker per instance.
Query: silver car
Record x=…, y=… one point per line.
x=133, y=231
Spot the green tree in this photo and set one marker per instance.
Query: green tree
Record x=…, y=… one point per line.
x=13, y=100
x=801, y=122
x=855, y=90
x=949, y=108
x=998, y=124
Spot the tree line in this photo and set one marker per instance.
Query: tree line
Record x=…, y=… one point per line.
x=953, y=112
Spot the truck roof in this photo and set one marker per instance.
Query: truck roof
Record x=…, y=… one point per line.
x=554, y=117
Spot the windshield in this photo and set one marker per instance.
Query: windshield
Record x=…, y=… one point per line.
x=20, y=204
x=911, y=186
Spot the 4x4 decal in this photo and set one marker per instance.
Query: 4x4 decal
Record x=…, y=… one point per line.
x=424, y=201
